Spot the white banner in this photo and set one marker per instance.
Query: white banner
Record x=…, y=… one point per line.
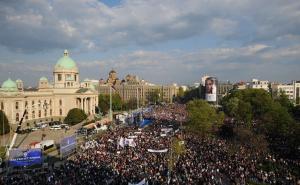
x=158, y=151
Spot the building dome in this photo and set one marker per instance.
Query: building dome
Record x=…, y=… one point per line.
x=9, y=85
x=66, y=62
x=43, y=78
x=112, y=71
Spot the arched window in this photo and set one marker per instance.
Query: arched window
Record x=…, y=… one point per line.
x=17, y=116
x=17, y=105
x=40, y=113
x=60, y=112
x=33, y=114
x=60, y=102
x=32, y=103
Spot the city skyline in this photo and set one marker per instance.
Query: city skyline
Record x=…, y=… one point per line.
x=162, y=42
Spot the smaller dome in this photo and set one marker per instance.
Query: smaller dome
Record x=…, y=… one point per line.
x=43, y=78
x=19, y=80
x=9, y=85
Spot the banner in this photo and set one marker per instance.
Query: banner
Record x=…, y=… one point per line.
x=67, y=145
x=18, y=157
x=158, y=151
x=127, y=142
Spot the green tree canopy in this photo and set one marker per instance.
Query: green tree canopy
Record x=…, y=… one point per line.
x=75, y=116
x=4, y=124
x=154, y=96
x=103, y=102
x=271, y=116
x=130, y=104
x=202, y=117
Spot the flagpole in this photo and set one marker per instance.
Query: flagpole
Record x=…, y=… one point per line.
x=110, y=104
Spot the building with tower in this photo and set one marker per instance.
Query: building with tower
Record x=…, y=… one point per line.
x=52, y=100
x=131, y=87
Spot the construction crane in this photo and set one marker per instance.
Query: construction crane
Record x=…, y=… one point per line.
x=12, y=143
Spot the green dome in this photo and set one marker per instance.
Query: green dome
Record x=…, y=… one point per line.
x=9, y=85
x=66, y=62
x=43, y=78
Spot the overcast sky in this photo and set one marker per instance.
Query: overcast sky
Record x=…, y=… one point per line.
x=161, y=41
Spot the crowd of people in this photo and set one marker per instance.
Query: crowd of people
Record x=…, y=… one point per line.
x=172, y=112
x=131, y=155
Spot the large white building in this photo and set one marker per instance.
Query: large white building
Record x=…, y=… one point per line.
x=50, y=101
x=260, y=84
x=292, y=90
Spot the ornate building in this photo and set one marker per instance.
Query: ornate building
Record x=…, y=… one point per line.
x=133, y=88
x=49, y=101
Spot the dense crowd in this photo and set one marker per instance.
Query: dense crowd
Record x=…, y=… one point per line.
x=131, y=155
x=172, y=112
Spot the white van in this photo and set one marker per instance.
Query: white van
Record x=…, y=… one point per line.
x=47, y=144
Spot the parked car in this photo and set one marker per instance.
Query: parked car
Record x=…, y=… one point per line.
x=55, y=127
x=65, y=126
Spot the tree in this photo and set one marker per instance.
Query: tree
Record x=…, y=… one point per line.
x=104, y=101
x=4, y=124
x=284, y=101
x=130, y=104
x=116, y=102
x=75, y=116
x=154, y=96
x=296, y=112
x=202, y=117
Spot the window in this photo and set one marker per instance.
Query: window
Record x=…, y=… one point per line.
x=39, y=103
x=45, y=113
x=33, y=114
x=26, y=104
x=59, y=77
x=50, y=112
x=60, y=102
x=17, y=116
x=60, y=111
x=75, y=78
x=50, y=102
x=40, y=113
x=32, y=103
x=17, y=105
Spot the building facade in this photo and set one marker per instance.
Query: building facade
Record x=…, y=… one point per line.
x=133, y=88
x=292, y=91
x=260, y=84
x=50, y=101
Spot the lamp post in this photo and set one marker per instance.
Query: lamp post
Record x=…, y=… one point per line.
x=45, y=107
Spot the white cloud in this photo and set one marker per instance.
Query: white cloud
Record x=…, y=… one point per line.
x=144, y=22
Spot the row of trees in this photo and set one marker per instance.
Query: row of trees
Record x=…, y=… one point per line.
x=118, y=105
x=259, y=113
x=253, y=118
